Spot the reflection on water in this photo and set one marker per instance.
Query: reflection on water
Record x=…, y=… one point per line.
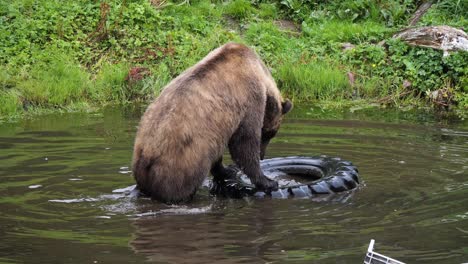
x=66, y=196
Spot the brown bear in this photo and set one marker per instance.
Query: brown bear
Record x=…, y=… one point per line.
x=229, y=98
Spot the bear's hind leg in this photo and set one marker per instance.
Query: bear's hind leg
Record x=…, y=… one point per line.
x=220, y=172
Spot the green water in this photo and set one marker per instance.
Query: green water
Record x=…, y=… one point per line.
x=57, y=205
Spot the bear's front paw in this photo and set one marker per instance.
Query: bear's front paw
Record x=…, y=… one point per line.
x=267, y=185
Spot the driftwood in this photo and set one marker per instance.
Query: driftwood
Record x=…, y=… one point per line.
x=437, y=37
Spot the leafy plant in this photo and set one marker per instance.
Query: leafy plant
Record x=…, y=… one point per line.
x=420, y=69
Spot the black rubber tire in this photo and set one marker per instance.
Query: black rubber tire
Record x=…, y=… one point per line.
x=323, y=174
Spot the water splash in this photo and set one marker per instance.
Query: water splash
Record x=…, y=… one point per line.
x=177, y=210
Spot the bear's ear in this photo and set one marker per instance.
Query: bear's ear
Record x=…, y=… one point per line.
x=287, y=106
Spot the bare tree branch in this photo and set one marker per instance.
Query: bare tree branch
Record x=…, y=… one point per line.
x=422, y=9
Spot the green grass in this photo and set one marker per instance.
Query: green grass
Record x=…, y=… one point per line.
x=239, y=9
x=60, y=82
x=109, y=84
x=10, y=103
x=313, y=80
x=268, y=40
x=447, y=12
x=345, y=31
x=268, y=11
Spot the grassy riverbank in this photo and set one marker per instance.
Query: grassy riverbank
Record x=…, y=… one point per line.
x=80, y=55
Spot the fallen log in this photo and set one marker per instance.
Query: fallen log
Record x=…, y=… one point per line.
x=443, y=38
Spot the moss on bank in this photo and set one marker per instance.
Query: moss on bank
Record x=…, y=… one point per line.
x=84, y=54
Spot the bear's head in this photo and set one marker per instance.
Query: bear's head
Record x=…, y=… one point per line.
x=274, y=111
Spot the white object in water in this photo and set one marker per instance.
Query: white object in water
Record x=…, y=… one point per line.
x=376, y=258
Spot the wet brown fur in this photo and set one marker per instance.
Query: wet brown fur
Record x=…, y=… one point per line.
x=227, y=99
